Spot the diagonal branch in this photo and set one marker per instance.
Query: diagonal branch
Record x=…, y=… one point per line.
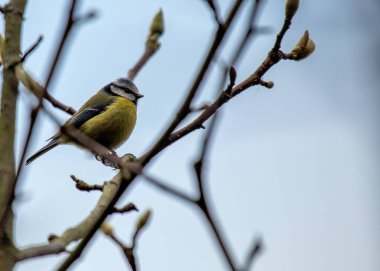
x=214, y=9
x=185, y=107
x=128, y=174
x=253, y=253
x=110, y=190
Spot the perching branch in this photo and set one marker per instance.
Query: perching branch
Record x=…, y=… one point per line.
x=128, y=173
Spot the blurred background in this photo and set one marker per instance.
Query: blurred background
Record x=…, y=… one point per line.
x=297, y=165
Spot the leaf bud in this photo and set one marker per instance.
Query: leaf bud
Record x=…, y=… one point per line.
x=291, y=8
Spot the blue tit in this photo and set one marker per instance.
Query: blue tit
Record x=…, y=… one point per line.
x=107, y=117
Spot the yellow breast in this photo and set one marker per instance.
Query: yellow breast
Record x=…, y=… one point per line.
x=113, y=126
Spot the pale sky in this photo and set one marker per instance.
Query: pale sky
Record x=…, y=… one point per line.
x=297, y=165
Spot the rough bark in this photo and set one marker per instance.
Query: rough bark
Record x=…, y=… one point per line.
x=13, y=21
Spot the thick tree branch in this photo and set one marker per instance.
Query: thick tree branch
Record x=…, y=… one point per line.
x=9, y=93
x=35, y=112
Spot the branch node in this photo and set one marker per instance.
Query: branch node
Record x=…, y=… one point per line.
x=26, y=54
x=232, y=75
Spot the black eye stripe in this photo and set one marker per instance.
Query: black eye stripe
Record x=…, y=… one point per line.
x=126, y=89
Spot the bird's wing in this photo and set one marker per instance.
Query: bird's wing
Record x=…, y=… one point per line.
x=78, y=119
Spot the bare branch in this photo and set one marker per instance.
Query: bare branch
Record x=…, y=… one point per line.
x=202, y=201
x=83, y=186
x=9, y=94
x=129, y=251
x=185, y=107
x=25, y=55
x=128, y=174
x=35, y=112
x=111, y=190
x=214, y=10
x=39, y=90
x=253, y=253
x=125, y=209
x=31, y=49
x=168, y=189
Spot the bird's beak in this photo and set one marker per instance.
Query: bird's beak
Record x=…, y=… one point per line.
x=139, y=95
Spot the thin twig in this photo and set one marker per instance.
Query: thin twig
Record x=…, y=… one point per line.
x=26, y=54
x=83, y=186
x=168, y=189
x=31, y=49
x=245, y=39
x=214, y=10
x=129, y=176
x=39, y=90
x=253, y=252
x=281, y=34
x=202, y=202
x=129, y=251
x=129, y=207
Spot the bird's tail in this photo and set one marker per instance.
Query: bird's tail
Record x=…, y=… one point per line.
x=48, y=147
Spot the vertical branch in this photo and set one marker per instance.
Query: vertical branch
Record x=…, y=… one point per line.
x=13, y=181
x=13, y=24
x=34, y=114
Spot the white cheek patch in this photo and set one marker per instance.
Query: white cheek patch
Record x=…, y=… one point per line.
x=122, y=93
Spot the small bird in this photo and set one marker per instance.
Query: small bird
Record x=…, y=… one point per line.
x=107, y=117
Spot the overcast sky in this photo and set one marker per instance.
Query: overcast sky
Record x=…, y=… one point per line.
x=297, y=165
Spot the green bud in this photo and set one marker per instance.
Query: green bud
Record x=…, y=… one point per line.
x=301, y=44
x=157, y=26
x=270, y=84
x=291, y=8
x=310, y=47
x=107, y=228
x=143, y=220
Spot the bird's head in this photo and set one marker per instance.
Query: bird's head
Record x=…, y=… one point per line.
x=125, y=88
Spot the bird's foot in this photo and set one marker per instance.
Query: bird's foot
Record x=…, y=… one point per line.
x=105, y=161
